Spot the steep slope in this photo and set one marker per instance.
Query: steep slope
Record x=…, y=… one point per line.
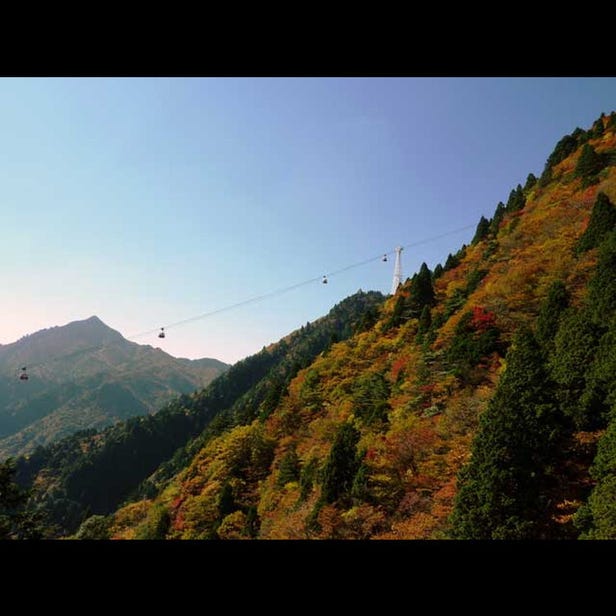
x=94, y=472
x=85, y=375
x=368, y=441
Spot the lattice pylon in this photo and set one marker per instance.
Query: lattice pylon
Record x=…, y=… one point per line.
x=397, y=271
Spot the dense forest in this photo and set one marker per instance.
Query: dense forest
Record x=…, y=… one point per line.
x=477, y=402
x=92, y=472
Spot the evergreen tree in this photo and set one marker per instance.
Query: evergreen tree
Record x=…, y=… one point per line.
x=502, y=491
x=566, y=146
x=371, y=399
x=15, y=521
x=597, y=517
x=550, y=312
x=341, y=465
x=499, y=214
x=438, y=271
x=602, y=221
x=483, y=228
x=425, y=320
x=597, y=128
x=602, y=287
x=531, y=180
x=450, y=262
x=600, y=379
x=421, y=293
x=226, y=502
x=571, y=360
x=546, y=177
x=581, y=136
x=516, y=200
x=589, y=164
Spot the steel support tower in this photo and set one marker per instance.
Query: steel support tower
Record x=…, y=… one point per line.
x=397, y=271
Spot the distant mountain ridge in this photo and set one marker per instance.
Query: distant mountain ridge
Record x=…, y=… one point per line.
x=86, y=375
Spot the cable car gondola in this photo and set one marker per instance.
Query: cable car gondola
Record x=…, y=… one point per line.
x=324, y=281
x=162, y=332
x=384, y=259
x=24, y=375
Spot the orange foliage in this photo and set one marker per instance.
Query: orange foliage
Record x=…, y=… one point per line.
x=411, y=460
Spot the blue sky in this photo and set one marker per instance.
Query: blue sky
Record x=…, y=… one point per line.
x=150, y=201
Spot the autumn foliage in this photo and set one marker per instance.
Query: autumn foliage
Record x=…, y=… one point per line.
x=368, y=441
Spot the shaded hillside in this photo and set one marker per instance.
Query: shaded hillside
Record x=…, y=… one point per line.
x=94, y=472
x=505, y=350
x=85, y=375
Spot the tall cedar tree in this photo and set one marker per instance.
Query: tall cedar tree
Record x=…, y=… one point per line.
x=516, y=200
x=597, y=517
x=589, y=163
x=341, y=466
x=571, y=360
x=422, y=292
x=550, y=312
x=602, y=221
x=602, y=287
x=531, y=180
x=483, y=228
x=499, y=214
x=502, y=491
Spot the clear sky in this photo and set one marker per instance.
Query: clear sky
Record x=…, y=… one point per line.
x=150, y=201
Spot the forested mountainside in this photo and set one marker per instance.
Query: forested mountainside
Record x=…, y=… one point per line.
x=86, y=375
x=92, y=472
x=477, y=403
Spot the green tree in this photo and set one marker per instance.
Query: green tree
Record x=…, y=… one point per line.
x=516, y=200
x=341, y=465
x=483, y=228
x=370, y=399
x=600, y=379
x=602, y=221
x=425, y=320
x=421, y=293
x=451, y=262
x=602, y=287
x=438, y=271
x=502, y=491
x=597, y=518
x=550, y=311
x=475, y=337
x=473, y=280
x=597, y=129
x=571, y=361
x=499, y=214
x=531, y=180
x=226, y=502
x=397, y=315
x=16, y=522
x=566, y=146
x=589, y=164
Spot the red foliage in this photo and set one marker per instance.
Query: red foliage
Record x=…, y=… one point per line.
x=398, y=365
x=482, y=319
